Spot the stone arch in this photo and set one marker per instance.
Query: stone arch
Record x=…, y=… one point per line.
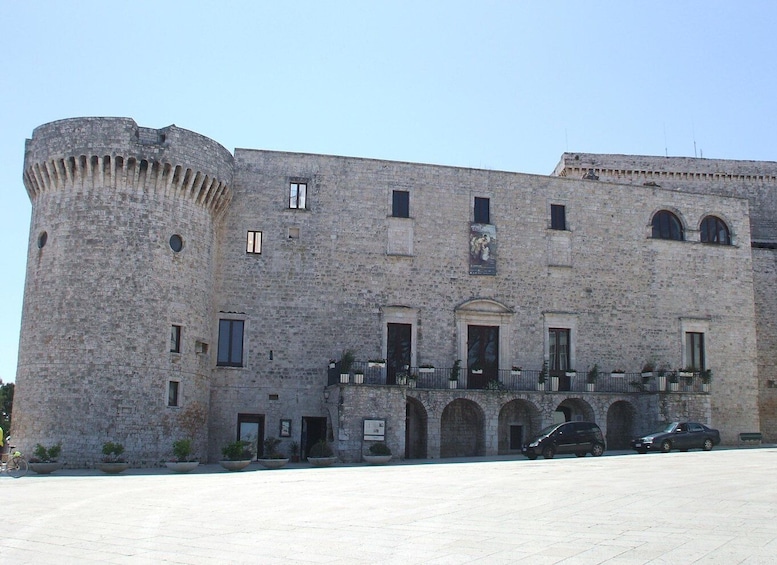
x=621, y=417
x=518, y=421
x=462, y=429
x=416, y=429
x=574, y=410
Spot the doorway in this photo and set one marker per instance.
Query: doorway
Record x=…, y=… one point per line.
x=398, y=354
x=250, y=429
x=313, y=431
x=482, y=355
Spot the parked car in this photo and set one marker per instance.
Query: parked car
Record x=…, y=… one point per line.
x=678, y=435
x=568, y=437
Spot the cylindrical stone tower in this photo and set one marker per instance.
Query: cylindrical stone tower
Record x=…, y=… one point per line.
x=117, y=317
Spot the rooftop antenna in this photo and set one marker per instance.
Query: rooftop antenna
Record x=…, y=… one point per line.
x=666, y=151
x=693, y=130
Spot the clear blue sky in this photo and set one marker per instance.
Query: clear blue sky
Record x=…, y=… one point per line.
x=498, y=85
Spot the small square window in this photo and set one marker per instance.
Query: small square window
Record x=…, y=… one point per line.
x=293, y=233
x=558, y=217
x=482, y=210
x=400, y=204
x=254, y=242
x=298, y=195
x=175, y=339
x=173, y=390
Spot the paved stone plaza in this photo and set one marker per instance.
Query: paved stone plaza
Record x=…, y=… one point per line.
x=696, y=507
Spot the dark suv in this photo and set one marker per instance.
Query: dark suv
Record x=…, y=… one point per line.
x=569, y=437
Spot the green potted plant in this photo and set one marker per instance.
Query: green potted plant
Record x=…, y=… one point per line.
x=358, y=376
x=674, y=380
x=412, y=380
x=706, y=379
x=321, y=454
x=45, y=460
x=112, y=461
x=294, y=451
x=237, y=456
x=453, y=376
x=661, y=373
x=542, y=378
x=402, y=377
x=380, y=454
x=272, y=458
x=184, y=460
x=590, y=378
x=346, y=363
x=647, y=369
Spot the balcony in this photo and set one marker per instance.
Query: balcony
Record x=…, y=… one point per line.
x=363, y=373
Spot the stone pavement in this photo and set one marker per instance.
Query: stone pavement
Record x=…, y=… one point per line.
x=697, y=507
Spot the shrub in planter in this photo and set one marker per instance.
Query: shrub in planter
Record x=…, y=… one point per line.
x=236, y=451
x=42, y=454
x=112, y=452
x=321, y=449
x=380, y=448
x=182, y=450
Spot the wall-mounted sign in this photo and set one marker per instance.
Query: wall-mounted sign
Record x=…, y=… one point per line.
x=374, y=430
x=482, y=249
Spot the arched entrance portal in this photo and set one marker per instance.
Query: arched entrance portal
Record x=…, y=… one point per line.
x=462, y=430
x=620, y=425
x=518, y=421
x=415, y=429
x=573, y=410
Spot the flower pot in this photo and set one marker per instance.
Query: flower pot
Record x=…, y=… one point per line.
x=113, y=468
x=235, y=465
x=541, y=387
x=344, y=378
x=412, y=383
x=358, y=378
x=45, y=468
x=401, y=380
x=705, y=387
x=453, y=384
x=377, y=459
x=590, y=387
x=554, y=383
x=322, y=461
x=272, y=463
x=426, y=369
x=182, y=466
x=515, y=373
x=617, y=375
x=661, y=383
x=674, y=387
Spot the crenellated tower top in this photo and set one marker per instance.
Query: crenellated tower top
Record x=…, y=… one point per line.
x=85, y=153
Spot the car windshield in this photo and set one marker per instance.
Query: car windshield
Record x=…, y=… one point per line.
x=546, y=430
x=668, y=429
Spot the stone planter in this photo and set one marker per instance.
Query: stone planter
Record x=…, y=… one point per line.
x=113, y=468
x=45, y=468
x=235, y=465
x=181, y=466
x=377, y=459
x=322, y=461
x=272, y=463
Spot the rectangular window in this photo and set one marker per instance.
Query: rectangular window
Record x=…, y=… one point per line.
x=298, y=194
x=400, y=204
x=254, y=242
x=558, y=341
x=694, y=351
x=482, y=211
x=175, y=339
x=173, y=389
x=230, y=352
x=558, y=217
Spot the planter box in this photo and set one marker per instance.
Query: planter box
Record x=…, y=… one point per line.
x=426, y=370
x=45, y=468
x=181, y=466
x=674, y=387
x=661, y=383
x=453, y=384
x=541, y=387
x=590, y=387
x=373, y=364
x=554, y=383
x=234, y=465
x=358, y=378
x=377, y=459
x=345, y=378
x=647, y=374
x=571, y=373
x=322, y=461
x=515, y=373
x=272, y=463
x=617, y=375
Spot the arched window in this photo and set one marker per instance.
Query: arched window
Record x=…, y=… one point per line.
x=715, y=230
x=667, y=226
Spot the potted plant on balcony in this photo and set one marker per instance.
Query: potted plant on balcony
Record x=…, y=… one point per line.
x=661, y=377
x=647, y=369
x=184, y=460
x=412, y=380
x=590, y=378
x=237, y=456
x=706, y=379
x=426, y=368
x=44, y=460
x=346, y=362
x=453, y=376
x=617, y=373
x=272, y=458
x=402, y=377
x=358, y=376
x=380, y=454
x=113, y=462
x=321, y=454
x=542, y=377
x=674, y=381
x=515, y=371
x=379, y=363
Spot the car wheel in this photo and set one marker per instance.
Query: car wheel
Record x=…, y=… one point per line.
x=666, y=446
x=597, y=449
x=707, y=445
x=548, y=452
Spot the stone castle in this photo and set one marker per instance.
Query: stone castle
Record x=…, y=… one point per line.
x=175, y=289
